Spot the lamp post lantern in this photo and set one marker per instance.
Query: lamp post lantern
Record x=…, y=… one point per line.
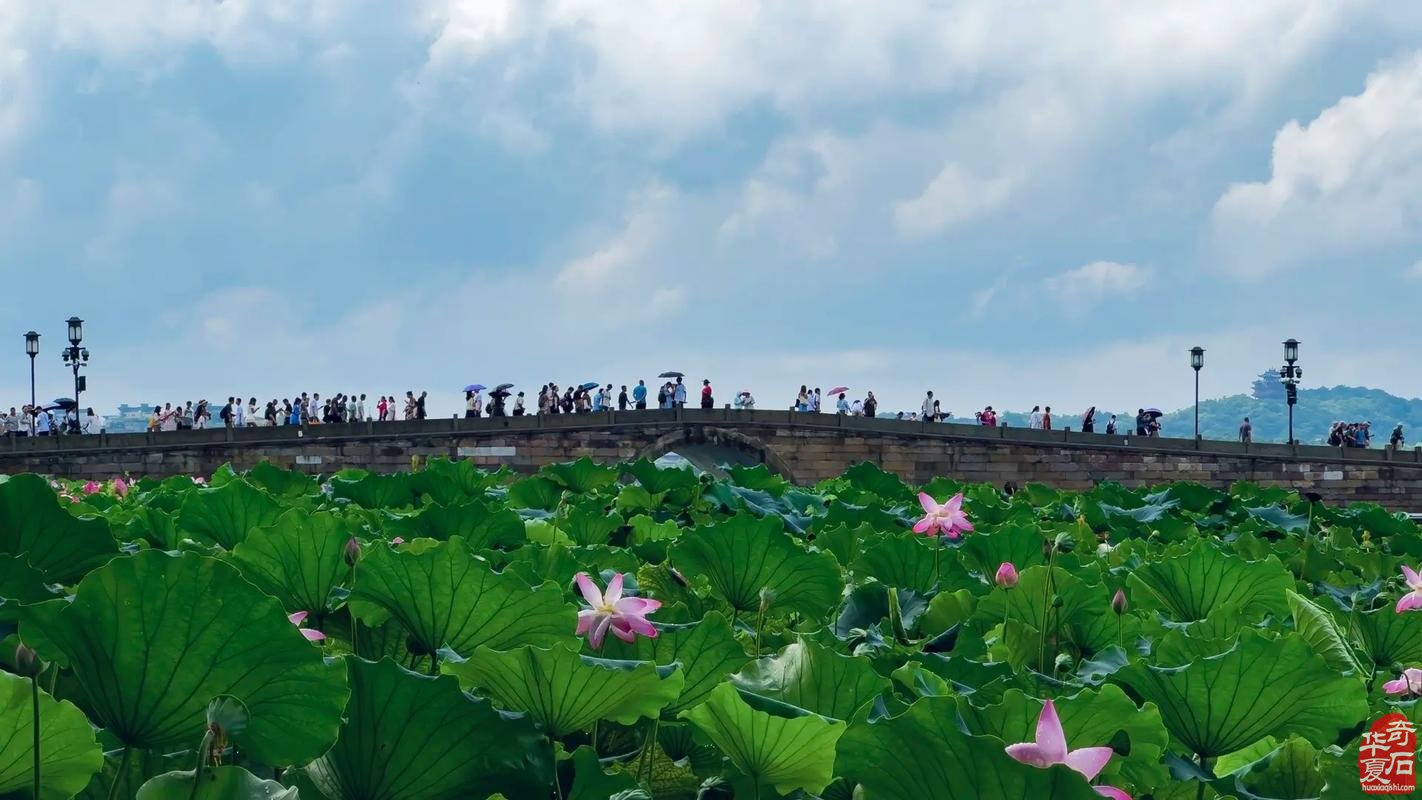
x=32, y=350
x=76, y=357
x=1290, y=375
x=1197, y=363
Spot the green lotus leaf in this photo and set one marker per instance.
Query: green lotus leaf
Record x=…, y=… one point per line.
x=69, y=754
x=589, y=523
x=1260, y=687
x=566, y=692
x=581, y=476
x=480, y=524
x=1323, y=633
x=923, y=754
x=1084, y=616
x=412, y=737
x=447, y=597
x=278, y=482
x=535, y=492
x=153, y=637
x=906, y=561
x=536, y=563
x=1290, y=772
x=1090, y=718
x=20, y=582
x=1019, y=545
x=815, y=678
x=707, y=652
x=759, y=478
x=592, y=782
x=1190, y=584
x=451, y=482
x=867, y=476
x=1390, y=638
x=1280, y=519
x=679, y=484
x=124, y=776
x=216, y=783
x=369, y=490
x=786, y=752
x=224, y=515
x=58, y=544
x=297, y=559
x=845, y=542
x=742, y=555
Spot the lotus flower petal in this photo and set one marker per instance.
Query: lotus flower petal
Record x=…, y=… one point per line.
x=1111, y=792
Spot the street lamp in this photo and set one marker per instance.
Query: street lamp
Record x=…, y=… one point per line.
x=76, y=357
x=32, y=350
x=1290, y=375
x=1197, y=362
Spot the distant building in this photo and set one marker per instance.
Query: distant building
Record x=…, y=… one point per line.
x=129, y=419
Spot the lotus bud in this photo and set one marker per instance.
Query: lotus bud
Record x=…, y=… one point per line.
x=352, y=551
x=767, y=598
x=120, y=487
x=1006, y=576
x=397, y=541
x=26, y=662
x=1118, y=602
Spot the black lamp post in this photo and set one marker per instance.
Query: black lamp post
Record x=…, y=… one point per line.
x=1290, y=375
x=1197, y=362
x=76, y=357
x=32, y=350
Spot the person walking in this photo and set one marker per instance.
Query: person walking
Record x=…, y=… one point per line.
x=1396, y=439
x=623, y=401
x=1143, y=422
x=1088, y=420
x=707, y=401
x=926, y=407
x=1111, y=426
x=1034, y=421
x=1047, y=418
x=469, y=412
x=518, y=405
x=841, y=405
x=1246, y=431
x=815, y=401
x=802, y=400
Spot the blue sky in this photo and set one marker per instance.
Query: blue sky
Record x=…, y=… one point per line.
x=1010, y=203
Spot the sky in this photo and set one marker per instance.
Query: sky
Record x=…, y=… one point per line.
x=1010, y=203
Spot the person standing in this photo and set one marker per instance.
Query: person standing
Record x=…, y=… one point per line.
x=841, y=405
x=93, y=423
x=802, y=400
x=1047, y=419
x=623, y=401
x=469, y=412
x=1396, y=439
x=707, y=401
x=1246, y=431
x=518, y=405
x=815, y=401
x=639, y=395
x=926, y=407
x=679, y=394
x=1111, y=426
x=871, y=405
x=1143, y=422
x=1035, y=420
x=420, y=412
x=1088, y=420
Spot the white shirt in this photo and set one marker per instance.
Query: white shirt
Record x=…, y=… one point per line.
x=93, y=424
x=239, y=414
x=927, y=406
x=1036, y=420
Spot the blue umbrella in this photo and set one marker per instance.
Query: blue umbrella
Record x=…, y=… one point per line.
x=590, y=385
x=474, y=387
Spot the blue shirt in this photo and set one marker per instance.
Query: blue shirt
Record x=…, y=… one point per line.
x=639, y=393
x=295, y=414
x=679, y=394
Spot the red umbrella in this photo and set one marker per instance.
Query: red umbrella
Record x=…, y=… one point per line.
x=839, y=390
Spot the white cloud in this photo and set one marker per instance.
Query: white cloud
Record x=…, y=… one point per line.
x=954, y=196
x=1091, y=283
x=1350, y=178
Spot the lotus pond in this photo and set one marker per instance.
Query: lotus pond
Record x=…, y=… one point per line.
x=633, y=632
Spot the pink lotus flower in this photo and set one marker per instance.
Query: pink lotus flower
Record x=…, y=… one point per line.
x=624, y=616
x=1051, y=748
x=93, y=487
x=199, y=480
x=397, y=541
x=120, y=487
x=311, y=634
x=1409, y=682
x=947, y=519
x=1413, y=599
x=1006, y=576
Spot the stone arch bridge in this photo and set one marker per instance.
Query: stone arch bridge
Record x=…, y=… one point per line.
x=803, y=447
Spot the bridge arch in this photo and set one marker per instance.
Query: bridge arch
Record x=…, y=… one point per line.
x=707, y=448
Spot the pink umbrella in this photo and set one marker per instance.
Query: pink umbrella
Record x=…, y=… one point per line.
x=839, y=390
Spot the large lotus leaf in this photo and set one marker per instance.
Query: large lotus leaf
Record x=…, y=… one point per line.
x=1189, y=585
x=535, y=492
x=786, y=752
x=123, y=777
x=537, y=563
x=1019, y=545
x=581, y=476
x=866, y=476
x=447, y=597
x=707, y=652
x=21, y=582
x=872, y=603
x=924, y=755
x=369, y=490
x=845, y=542
x=224, y=515
x=758, y=477
x=906, y=561
x=1260, y=687
x=1280, y=519
x=589, y=523
x=1391, y=638
x=449, y=482
x=216, y=783
x=1324, y=634
x=678, y=483
x=69, y=754
x=1090, y=718
x=567, y=692
x=1290, y=772
x=153, y=637
x=1084, y=615
x=743, y=555
x=815, y=678
x=411, y=737
x=297, y=559
x=60, y=545
x=592, y=782
x=279, y=482
x=480, y=524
